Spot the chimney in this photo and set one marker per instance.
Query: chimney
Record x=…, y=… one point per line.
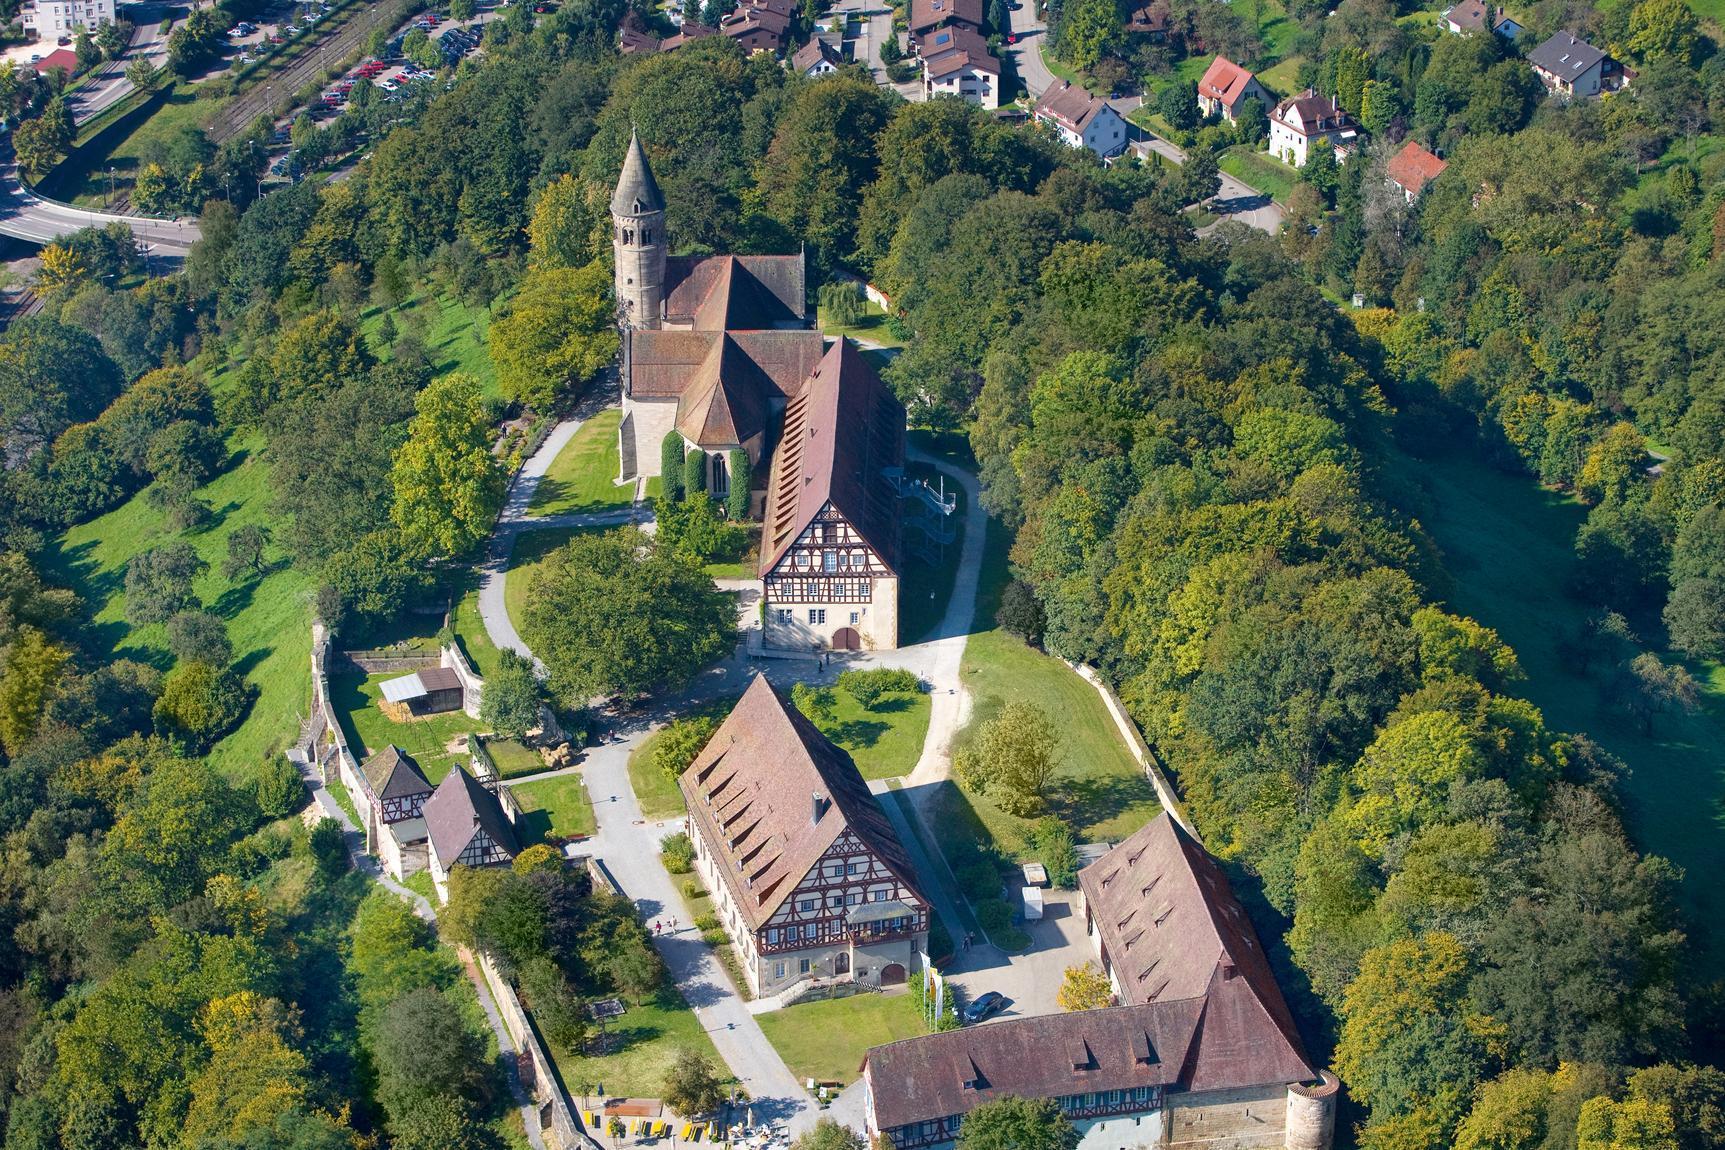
x=815, y=808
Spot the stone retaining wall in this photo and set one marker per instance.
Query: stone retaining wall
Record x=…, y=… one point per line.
x=1141, y=751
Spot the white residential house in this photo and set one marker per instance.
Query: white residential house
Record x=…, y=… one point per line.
x=1470, y=16
x=53, y=19
x=815, y=59
x=1572, y=67
x=1081, y=119
x=956, y=62
x=1299, y=122
x=1225, y=86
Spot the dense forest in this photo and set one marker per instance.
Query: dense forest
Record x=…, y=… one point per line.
x=1202, y=459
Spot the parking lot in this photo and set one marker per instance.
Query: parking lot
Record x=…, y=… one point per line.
x=391, y=74
x=1030, y=981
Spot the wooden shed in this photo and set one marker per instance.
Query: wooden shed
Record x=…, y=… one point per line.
x=428, y=692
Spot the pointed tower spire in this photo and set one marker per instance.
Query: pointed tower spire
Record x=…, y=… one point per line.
x=637, y=191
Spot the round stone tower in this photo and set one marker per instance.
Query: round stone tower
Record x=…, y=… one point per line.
x=1312, y=1114
x=638, y=240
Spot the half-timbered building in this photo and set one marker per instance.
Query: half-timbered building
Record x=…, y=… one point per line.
x=467, y=826
x=806, y=871
x=394, y=809
x=830, y=542
x=1201, y=1053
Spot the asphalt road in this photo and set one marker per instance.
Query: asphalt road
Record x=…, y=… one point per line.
x=109, y=85
x=1026, y=55
x=26, y=216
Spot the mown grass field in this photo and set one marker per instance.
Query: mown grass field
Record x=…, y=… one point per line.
x=269, y=619
x=582, y=476
x=1510, y=547
x=455, y=335
x=826, y=1041
x=870, y=327
x=1099, y=789
x=558, y=806
x=84, y=178
x=646, y=1041
x=1259, y=170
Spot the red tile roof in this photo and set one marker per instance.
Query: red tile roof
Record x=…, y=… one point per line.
x=63, y=58
x=1413, y=168
x=1071, y=107
x=1216, y=1022
x=769, y=794
x=1224, y=80
x=841, y=433
x=926, y=14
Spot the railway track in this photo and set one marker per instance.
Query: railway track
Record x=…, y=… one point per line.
x=317, y=55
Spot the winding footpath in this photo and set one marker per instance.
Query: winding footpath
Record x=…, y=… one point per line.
x=627, y=844
x=368, y=866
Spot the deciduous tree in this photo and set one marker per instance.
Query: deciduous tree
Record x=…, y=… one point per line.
x=448, y=485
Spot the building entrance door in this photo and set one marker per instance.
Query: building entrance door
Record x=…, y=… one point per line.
x=847, y=639
x=892, y=974
x=842, y=963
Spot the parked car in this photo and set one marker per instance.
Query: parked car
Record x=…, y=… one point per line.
x=984, y=1007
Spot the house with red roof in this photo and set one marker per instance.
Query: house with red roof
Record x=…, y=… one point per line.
x=1412, y=168
x=62, y=58
x=1226, y=86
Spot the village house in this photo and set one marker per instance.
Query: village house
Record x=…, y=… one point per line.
x=1225, y=86
x=816, y=58
x=466, y=825
x=394, y=802
x=1412, y=168
x=927, y=15
x=759, y=25
x=1472, y=16
x=830, y=538
x=806, y=871
x=52, y=19
x=1299, y=122
x=1572, y=67
x=956, y=61
x=1202, y=1051
x=1150, y=20
x=1081, y=119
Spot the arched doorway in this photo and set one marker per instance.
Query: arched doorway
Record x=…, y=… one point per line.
x=847, y=639
x=892, y=974
x=842, y=962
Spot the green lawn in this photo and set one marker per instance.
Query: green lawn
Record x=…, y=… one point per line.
x=269, y=621
x=454, y=335
x=1510, y=547
x=83, y=177
x=513, y=761
x=871, y=327
x=581, y=477
x=1099, y=790
x=1259, y=170
x=1282, y=78
x=419, y=882
x=741, y=569
x=369, y=730
x=654, y=790
x=470, y=634
x=886, y=741
x=647, y=1039
x=826, y=1041
x=556, y=806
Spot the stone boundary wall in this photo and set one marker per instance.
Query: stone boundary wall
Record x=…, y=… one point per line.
x=329, y=741
x=1141, y=751
x=472, y=686
x=379, y=662
x=557, y=1119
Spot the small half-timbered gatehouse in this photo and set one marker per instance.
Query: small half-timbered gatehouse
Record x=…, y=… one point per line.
x=467, y=827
